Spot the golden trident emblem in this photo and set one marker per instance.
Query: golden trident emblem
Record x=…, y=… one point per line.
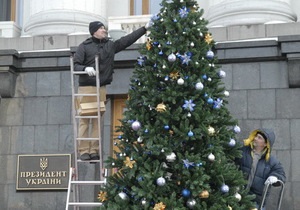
x=43, y=163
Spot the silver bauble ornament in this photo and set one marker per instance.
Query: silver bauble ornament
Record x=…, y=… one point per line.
x=172, y=57
x=210, y=54
x=199, y=86
x=161, y=181
x=222, y=74
x=211, y=157
x=226, y=93
x=123, y=196
x=191, y=203
x=140, y=140
x=237, y=129
x=238, y=196
x=171, y=157
x=144, y=202
x=180, y=81
x=232, y=142
x=225, y=188
x=136, y=125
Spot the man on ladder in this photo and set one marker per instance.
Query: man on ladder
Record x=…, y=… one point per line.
x=84, y=60
x=93, y=62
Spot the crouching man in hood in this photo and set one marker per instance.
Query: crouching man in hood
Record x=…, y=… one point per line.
x=257, y=163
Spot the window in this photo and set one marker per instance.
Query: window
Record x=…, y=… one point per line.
x=11, y=10
x=144, y=7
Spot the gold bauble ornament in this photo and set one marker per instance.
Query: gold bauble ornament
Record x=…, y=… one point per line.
x=161, y=107
x=204, y=194
x=148, y=44
x=159, y=206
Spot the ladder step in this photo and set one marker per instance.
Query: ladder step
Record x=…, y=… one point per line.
x=88, y=139
x=88, y=182
x=85, y=204
x=85, y=94
x=88, y=161
x=79, y=72
x=82, y=117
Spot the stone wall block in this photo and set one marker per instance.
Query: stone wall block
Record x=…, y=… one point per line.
x=274, y=75
x=48, y=84
x=261, y=104
x=35, y=111
x=237, y=104
x=281, y=128
x=245, y=76
x=287, y=103
x=59, y=110
x=46, y=139
x=295, y=133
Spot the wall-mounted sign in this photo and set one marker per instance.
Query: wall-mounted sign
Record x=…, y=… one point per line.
x=43, y=172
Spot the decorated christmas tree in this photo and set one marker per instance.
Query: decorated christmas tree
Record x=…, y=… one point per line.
x=177, y=143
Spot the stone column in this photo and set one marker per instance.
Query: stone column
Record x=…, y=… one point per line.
x=223, y=13
x=55, y=17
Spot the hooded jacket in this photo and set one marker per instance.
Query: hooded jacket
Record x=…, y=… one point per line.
x=106, y=49
x=267, y=166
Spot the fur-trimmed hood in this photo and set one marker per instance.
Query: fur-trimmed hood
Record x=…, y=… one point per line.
x=270, y=140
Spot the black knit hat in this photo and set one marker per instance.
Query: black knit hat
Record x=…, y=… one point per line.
x=263, y=135
x=94, y=26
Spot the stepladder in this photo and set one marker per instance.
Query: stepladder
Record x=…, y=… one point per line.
x=277, y=197
x=87, y=175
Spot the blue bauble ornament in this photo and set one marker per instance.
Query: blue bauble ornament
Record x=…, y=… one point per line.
x=167, y=127
x=210, y=55
x=190, y=133
x=140, y=178
x=210, y=100
x=186, y=193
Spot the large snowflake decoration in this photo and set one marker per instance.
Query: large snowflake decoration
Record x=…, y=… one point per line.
x=218, y=103
x=186, y=58
x=189, y=105
x=141, y=60
x=183, y=12
x=188, y=164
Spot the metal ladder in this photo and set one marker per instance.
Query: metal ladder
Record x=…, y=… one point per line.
x=280, y=184
x=74, y=184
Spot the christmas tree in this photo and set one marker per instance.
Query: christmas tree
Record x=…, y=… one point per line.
x=177, y=143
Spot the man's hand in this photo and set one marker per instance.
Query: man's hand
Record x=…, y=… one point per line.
x=90, y=71
x=271, y=180
x=149, y=24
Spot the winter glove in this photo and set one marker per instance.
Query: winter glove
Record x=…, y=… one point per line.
x=271, y=180
x=149, y=24
x=90, y=71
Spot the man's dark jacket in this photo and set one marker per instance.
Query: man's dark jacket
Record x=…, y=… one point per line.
x=106, y=49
